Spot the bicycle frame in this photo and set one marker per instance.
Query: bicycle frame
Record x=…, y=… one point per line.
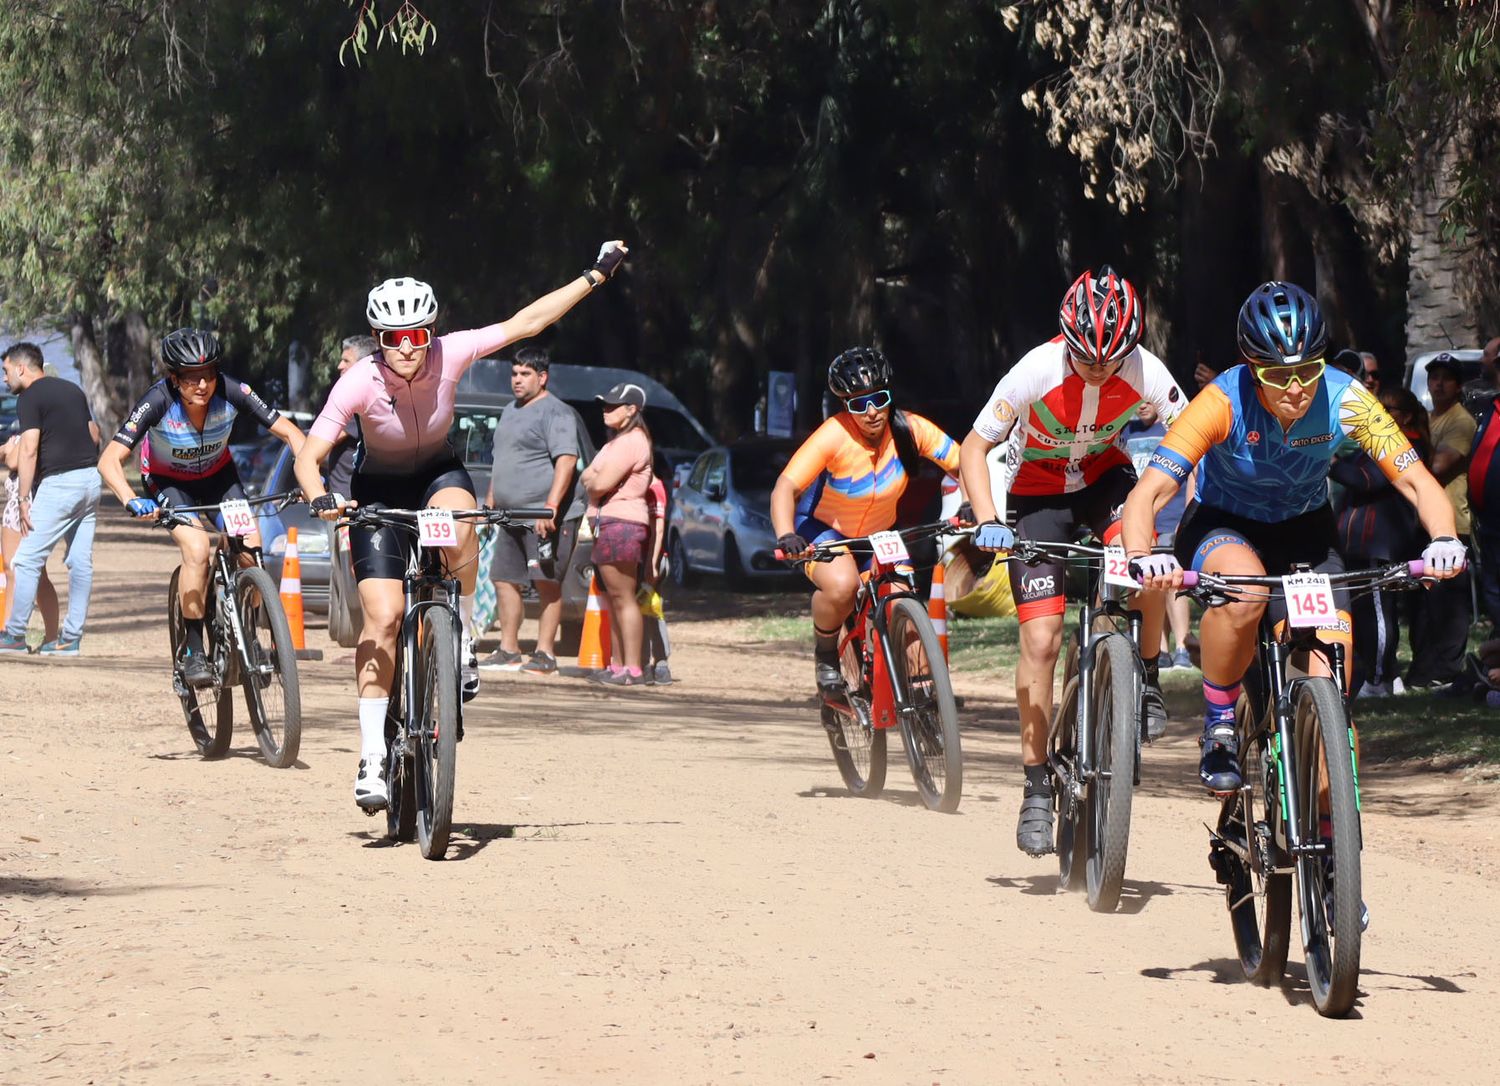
x=1110, y=604
x=424, y=577
x=879, y=589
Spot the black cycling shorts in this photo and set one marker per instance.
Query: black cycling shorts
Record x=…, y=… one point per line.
x=1310, y=539
x=220, y=486
x=1039, y=590
x=381, y=553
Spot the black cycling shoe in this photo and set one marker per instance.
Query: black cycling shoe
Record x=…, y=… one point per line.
x=1219, y=768
x=829, y=678
x=1153, y=710
x=196, y=672
x=1034, y=826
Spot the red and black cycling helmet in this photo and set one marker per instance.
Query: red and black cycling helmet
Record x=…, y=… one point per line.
x=857, y=371
x=189, y=347
x=1101, y=317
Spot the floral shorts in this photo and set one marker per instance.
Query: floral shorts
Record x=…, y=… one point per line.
x=619, y=541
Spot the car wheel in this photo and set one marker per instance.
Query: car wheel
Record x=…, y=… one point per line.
x=682, y=576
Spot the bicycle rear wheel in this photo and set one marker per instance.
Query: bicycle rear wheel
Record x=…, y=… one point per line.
x=210, y=709
x=1116, y=691
x=1329, y=890
x=929, y=729
x=435, y=754
x=272, y=691
x=1062, y=743
x=1245, y=857
x=401, y=808
x=858, y=746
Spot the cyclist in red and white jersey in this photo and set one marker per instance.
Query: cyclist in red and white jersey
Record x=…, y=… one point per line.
x=403, y=396
x=1071, y=397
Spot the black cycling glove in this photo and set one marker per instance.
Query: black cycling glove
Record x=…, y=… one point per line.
x=791, y=546
x=611, y=256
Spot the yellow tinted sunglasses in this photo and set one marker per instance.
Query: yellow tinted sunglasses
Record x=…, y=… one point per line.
x=1304, y=374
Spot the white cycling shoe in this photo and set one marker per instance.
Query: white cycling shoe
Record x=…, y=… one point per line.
x=370, y=791
x=470, y=671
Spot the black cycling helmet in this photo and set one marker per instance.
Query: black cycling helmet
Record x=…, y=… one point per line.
x=188, y=347
x=857, y=371
x=1281, y=325
x=1101, y=317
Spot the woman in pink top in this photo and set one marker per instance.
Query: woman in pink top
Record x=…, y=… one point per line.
x=403, y=396
x=617, y=481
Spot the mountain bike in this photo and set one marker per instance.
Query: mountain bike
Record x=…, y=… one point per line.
x=246, y=639
x=1094, y=742
x=895, y=675
x=424, y=721
x=1297, y=812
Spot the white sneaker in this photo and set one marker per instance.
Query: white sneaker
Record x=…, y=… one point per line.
x=470, y=671
x=1373, y=690
x=370, y=790
x=1397, y=686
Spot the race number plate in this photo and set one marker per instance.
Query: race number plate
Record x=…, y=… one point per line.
x=889, y=548
x=435, y=528
x=1117, y=568
x=238, y=520
x=1309, y=599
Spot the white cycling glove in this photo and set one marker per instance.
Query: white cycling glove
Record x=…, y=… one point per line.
x=1153, y=565
x=1445, y=555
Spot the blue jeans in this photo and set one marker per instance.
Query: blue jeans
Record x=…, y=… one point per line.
x=63, y=510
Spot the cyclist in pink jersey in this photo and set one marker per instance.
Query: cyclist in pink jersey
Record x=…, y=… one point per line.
x=403, y=396
x=1071, y=397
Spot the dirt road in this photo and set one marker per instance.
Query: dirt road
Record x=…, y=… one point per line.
x=655, y=886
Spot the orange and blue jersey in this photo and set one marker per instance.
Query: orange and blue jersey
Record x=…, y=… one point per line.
x=852, y=488
x=1249, y=465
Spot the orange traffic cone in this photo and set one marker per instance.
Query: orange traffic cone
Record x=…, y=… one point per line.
x=937, y=608
x=4, y=592
x=593, y=643
x=291, y=598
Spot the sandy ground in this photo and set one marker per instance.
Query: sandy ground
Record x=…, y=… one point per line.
x=655, y=886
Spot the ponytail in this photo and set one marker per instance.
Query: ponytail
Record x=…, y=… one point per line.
x=906, y=444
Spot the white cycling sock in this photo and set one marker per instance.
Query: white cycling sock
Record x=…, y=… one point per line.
x=372, y=727
x=466, y=616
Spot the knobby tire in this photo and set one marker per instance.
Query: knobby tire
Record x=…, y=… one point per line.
x=1257, y=895
x=1117, y=698
x=436, y=754
x=858, y=746
x=934, y=750
x=210, y=719
x=273, y=693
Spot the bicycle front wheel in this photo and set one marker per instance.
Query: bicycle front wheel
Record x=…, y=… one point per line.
x=1116, y=693
x=929, y=726
x=858, y=746
x=1247, y=861
x=1329, y=890
x=210, y=709
x=436, y=731
x=272, y=691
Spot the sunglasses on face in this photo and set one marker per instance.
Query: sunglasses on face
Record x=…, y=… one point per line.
x=417, y=337
x=878, y=400
x=197, y=375
x=1305, y=374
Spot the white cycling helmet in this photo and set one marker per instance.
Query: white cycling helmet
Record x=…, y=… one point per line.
x=401, y=303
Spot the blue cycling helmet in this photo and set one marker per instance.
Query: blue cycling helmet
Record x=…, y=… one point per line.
x=1281, y=325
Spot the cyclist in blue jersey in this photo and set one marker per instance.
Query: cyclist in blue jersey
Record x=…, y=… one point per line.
x=185, y=421
x=1261, y=438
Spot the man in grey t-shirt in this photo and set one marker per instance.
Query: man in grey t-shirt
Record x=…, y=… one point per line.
x=537, y=450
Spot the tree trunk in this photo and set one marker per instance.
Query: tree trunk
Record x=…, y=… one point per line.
x=138, y=357
x=1437, y=314
x=94, y=376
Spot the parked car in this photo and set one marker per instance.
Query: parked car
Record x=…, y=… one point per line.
x=1416, y=370
x=720, y=518
x=265, y=467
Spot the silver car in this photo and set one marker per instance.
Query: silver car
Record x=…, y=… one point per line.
x=720, y=521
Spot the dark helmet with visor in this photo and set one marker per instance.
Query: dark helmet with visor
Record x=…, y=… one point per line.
x=857, y=371
x=189, y=347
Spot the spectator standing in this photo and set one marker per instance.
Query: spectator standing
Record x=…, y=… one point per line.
x=10, y=539
x=1349, y=361
x=59, y=495
x=1377, y=526
x=617, y=482
x=657, y=646
x=1369, y=372
x=1142, y=434
x=1480, y=392
x=1440, y=625
x=1484, y=504
x=341, y=460
x=535, y=464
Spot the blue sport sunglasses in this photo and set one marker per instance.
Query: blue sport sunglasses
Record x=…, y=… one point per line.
x=879, y=400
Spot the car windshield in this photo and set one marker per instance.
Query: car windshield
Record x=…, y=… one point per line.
x=669, y=429
x=253, y=460
x=472, y=434
x=756, y=472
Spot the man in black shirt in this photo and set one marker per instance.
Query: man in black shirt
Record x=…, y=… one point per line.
x=59, y=489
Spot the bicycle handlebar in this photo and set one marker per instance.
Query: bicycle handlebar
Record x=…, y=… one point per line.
x=176, y=516
x=406, y=517
x=827, y=552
